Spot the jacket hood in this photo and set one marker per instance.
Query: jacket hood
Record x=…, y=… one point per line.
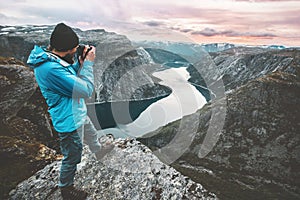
x=39, y=55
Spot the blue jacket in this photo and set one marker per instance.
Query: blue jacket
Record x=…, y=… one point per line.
x=64, y=87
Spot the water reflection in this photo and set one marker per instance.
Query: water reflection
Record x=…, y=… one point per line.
x=185, y=99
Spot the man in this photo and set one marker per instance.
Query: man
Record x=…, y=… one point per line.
x=65, y=80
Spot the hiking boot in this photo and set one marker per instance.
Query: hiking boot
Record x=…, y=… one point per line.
x=107, y=146
x=105, y=149
x=72, y=193
x=108, y=138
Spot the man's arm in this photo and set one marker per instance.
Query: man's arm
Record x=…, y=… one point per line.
x=63, y=82
x=80, y=85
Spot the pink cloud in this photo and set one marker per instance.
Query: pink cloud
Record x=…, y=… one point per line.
x=264, y=0
x=264, y=19
x=230, y=33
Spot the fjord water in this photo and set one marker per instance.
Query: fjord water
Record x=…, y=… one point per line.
x=185, y=99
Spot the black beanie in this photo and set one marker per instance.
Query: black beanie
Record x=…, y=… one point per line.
x=63, y=38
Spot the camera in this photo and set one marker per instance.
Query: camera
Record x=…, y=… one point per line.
x=80, y=50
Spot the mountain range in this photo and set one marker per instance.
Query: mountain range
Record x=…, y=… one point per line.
x=243, y=144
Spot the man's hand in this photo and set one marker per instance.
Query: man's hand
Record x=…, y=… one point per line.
x=90, y=55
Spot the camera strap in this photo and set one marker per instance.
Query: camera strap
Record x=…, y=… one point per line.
x=58, y=59
x=89, y=49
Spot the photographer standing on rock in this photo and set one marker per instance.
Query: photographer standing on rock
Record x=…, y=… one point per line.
x=65, y=79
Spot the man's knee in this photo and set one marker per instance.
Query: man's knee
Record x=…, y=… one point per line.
x=76, y=151
x=72, y=150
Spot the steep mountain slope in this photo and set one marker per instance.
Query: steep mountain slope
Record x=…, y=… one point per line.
x=256, y=153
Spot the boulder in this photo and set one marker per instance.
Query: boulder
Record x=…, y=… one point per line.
x=130, y=171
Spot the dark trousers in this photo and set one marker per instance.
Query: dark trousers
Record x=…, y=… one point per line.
x=71, y=148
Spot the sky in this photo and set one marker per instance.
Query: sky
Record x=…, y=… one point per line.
x=251, y=22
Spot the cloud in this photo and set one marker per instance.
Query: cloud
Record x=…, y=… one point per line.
x=93, y=12
x=288, y=18
x=153, y=23
x=208, y=32
x=4, y=19
x=67, y=13
x=186, y=30
x=207, y=18
x=264, y=0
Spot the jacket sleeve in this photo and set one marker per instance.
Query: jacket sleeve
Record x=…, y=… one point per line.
x=76, y=65
x=62, y=81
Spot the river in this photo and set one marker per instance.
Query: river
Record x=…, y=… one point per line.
x=185, y=99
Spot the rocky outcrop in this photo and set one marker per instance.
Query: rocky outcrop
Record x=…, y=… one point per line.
x=25, y=132
x=23, y=109
x=130, y=171
x=17, y=82
x=256, y=155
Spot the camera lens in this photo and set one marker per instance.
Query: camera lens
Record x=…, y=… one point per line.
x=80, y=50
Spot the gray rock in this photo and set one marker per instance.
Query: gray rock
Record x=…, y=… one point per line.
x=25, y=131
x=130, y=171
x=23, y=109
x=17, y=86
